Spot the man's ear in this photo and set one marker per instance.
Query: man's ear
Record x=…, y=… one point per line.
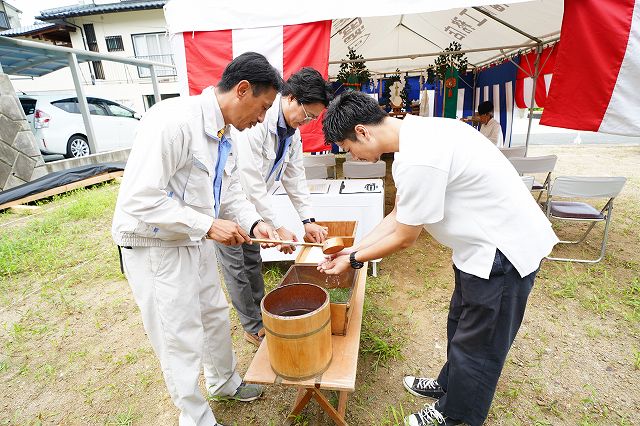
x=361, y=130
x=243, y=88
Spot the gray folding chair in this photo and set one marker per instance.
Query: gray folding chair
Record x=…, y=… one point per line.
x=327, y=161
x=535, y=165
x=513, y=151
x=583, y=187
x=352, y=169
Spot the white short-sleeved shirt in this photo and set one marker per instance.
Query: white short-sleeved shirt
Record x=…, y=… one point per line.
x=466, y=194
x=493, y=132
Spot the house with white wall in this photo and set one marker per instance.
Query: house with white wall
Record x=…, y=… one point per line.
x=9, y=16
x=131, y=29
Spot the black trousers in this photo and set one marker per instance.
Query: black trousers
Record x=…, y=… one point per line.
x=484, y=317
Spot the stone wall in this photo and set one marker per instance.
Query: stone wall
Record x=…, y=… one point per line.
x=20, y=158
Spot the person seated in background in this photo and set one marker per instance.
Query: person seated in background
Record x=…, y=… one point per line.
x=489, y=127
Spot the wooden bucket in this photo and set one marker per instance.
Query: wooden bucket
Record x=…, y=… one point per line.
x=297, y=322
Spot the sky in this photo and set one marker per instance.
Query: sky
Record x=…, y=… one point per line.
x=32, y=8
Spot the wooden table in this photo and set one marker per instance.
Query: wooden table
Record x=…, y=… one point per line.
x=340, y=376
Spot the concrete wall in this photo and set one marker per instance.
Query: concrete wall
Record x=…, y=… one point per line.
x=20, y=158
x=119, y=156
x=122, y=83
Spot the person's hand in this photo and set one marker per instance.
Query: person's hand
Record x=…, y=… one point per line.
x=315, y=233
x=344, y=252
x=265, y=231
x=227, y=232
x=287, y=235
x=335, y=266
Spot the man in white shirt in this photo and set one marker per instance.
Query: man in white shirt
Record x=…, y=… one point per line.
x=489, y=127
x=268, y=152
x=176, y=198
x=465, y=193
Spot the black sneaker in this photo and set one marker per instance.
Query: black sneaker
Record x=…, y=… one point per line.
x=424, y=387
x=430, y=416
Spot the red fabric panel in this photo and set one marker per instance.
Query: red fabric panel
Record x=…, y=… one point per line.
x=527, y=63
x=207, y=53
x=595, y=34
x=312, y=136
x=306, y=45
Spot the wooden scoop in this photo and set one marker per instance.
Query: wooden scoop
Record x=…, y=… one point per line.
x=330, y=245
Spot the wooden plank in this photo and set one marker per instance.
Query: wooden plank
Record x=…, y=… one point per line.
x=341, y=374
x=64, y=188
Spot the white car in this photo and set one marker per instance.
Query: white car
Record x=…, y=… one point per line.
x=57, y=124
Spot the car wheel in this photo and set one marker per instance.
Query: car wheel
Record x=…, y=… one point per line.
x=78, y=147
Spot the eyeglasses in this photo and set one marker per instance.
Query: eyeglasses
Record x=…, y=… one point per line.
x=307, y=117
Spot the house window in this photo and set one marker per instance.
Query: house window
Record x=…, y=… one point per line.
x=153, y=47
x=92, y=44
x=150, y=100
x=4, y=21
x=114, y=43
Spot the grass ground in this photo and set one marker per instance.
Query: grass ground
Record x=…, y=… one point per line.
x=73, y=351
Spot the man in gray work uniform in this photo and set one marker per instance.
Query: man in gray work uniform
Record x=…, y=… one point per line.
x=268, y=152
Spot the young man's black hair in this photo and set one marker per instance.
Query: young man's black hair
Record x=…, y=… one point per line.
x=308, y=87
x=347, y=111
x=254, y=68
x=485, y=107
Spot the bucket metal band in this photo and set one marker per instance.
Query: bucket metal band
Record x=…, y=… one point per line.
x=318, y=374
x=298, y=336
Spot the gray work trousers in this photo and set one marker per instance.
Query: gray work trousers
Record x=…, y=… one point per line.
x=242, y=271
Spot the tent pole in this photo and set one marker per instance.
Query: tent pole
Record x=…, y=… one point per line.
x=536, y=73
x=82, y=102
x=506, y=24
x=154, y=81
x=424, y=55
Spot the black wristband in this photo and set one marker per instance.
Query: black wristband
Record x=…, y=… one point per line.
x=354, y=263
x=311, y=219
x=253, y=226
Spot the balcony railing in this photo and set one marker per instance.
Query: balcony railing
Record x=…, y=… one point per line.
x=160, y=71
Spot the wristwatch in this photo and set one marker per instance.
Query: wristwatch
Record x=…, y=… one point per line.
x=354, y=263
x=311, y=219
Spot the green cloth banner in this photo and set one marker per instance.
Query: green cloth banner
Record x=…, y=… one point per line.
x=450, y=95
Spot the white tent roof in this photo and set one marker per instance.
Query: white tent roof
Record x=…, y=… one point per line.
x=386, y=28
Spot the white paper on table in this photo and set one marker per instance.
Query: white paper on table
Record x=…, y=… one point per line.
x=314, y=188
x=356, y=186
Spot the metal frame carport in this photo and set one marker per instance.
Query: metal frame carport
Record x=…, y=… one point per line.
x=30, y=58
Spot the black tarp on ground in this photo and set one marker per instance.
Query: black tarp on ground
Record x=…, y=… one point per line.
x=56, y=179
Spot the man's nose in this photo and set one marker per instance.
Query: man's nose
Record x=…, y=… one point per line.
x=261, y=117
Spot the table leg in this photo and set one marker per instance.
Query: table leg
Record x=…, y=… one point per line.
x=303, y=398
x=328, y=408
x=342, y=403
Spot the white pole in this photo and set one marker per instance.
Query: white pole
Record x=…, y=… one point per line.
x=154, y=81
x=82, y=102
x=536, y=72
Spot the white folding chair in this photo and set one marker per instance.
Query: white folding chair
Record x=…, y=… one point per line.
x=535, y=165
x=316, y=172
x=528, y=181
x=352, y=169
x=513, y=151
x=328, y=161
x=583, y=187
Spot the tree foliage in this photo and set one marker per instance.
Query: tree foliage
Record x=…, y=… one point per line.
x=353, y=72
